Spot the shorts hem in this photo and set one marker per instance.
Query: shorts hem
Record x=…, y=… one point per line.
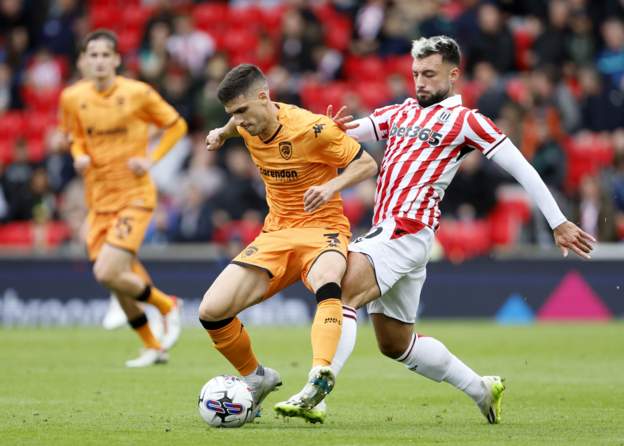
x=251, y=265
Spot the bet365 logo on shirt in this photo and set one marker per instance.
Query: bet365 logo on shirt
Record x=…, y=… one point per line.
x=424, y=134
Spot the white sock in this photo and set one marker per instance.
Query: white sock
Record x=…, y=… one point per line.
x=347, y=339
x=430, y=358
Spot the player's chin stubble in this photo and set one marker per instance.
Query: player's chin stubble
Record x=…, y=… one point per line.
x=436, y=97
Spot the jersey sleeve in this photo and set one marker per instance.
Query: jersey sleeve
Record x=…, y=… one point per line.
x=330, y=145
x=380, y=119
x=155, y=109
x=482, y=134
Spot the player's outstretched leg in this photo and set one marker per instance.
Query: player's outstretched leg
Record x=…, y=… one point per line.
x=152, y=352
x=490, y=405
x=262, y=381
x=307, y=403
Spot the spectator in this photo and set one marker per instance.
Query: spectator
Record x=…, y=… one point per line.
x=472, y=194
x=190, y=47
x=602, y=108
x=16, y=186
x=551, y=45
x=58, y=30
x=492, y=95
x=610, y=62
x=493, y=42
x=595, y=210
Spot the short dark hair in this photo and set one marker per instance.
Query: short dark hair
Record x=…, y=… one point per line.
x=100, y=34
x=238, y=81
x=445, y=46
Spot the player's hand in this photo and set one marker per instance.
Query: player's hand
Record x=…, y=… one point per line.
x=81, y=163
x=317, y=196
x=139, y=165
x=343, y=122
x=568, y=236
x=215, y=139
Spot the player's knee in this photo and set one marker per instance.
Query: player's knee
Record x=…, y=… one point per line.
x=352, y=300
x=389, y=348
x=105, y=275
x=209, y=311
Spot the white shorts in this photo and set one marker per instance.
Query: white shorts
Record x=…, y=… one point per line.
x=400, y=264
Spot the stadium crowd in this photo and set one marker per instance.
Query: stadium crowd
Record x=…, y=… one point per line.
x=549, y=73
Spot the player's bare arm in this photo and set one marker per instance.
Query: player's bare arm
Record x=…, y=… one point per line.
x=217, y=137
x=360, y=169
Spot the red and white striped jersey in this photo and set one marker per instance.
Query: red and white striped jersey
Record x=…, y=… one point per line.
x=424, y=150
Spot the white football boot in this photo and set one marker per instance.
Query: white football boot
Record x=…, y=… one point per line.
x=148, y=357
x=490, y=405
x=114, y=317
x=262, y=382
x=172, y=324
x=307, y=404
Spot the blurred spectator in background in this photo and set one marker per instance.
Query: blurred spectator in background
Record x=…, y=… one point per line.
x=243, y=189
x=153, y=55
x=610, y=60
x=472, y=193
x=492, y=95
x=595, y=210
x=602, y=108
x=58, y=31
x=194, y=223
x=189, y=46
x=550, y=47
x=493, y=42
x=58, y=162
x=367, y=27
x=17, y=177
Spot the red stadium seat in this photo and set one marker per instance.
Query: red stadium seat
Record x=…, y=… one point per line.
x=463, y=240
x=129, y=40
x=104, y=16
x=41, y=100
x=135, y=16
x=240, y=40
x=373, y=94
x=272, y=19
x=400, y=65
x=249, y=17
x=6, y=150
x=12, y=125
x=586, y=153
x=56, y=233
x=17, y=234
x=210, y=16
x=338, y=33
x=365, y=68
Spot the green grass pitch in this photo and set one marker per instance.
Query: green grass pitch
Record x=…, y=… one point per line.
x=565, y=386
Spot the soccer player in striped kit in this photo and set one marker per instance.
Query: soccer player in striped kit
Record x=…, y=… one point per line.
x=427, y=138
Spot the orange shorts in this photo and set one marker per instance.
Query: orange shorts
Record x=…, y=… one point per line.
x=123, y=229
x=288, y=255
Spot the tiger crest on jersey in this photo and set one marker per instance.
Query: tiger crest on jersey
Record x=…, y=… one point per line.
x=286, y=149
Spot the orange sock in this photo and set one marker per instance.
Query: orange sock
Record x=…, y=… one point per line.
x=160, y=300
x=139, y=269
x=233, y=342
x=326, y=330
x=144, y=331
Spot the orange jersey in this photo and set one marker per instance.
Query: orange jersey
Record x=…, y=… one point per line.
x=66, y=125
x=113, y=127
x=307, y=150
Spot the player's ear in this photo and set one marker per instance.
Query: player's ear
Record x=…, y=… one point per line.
x=454, y=74
x=263, y=95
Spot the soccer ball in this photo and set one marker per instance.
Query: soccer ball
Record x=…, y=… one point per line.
x=226, y=401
